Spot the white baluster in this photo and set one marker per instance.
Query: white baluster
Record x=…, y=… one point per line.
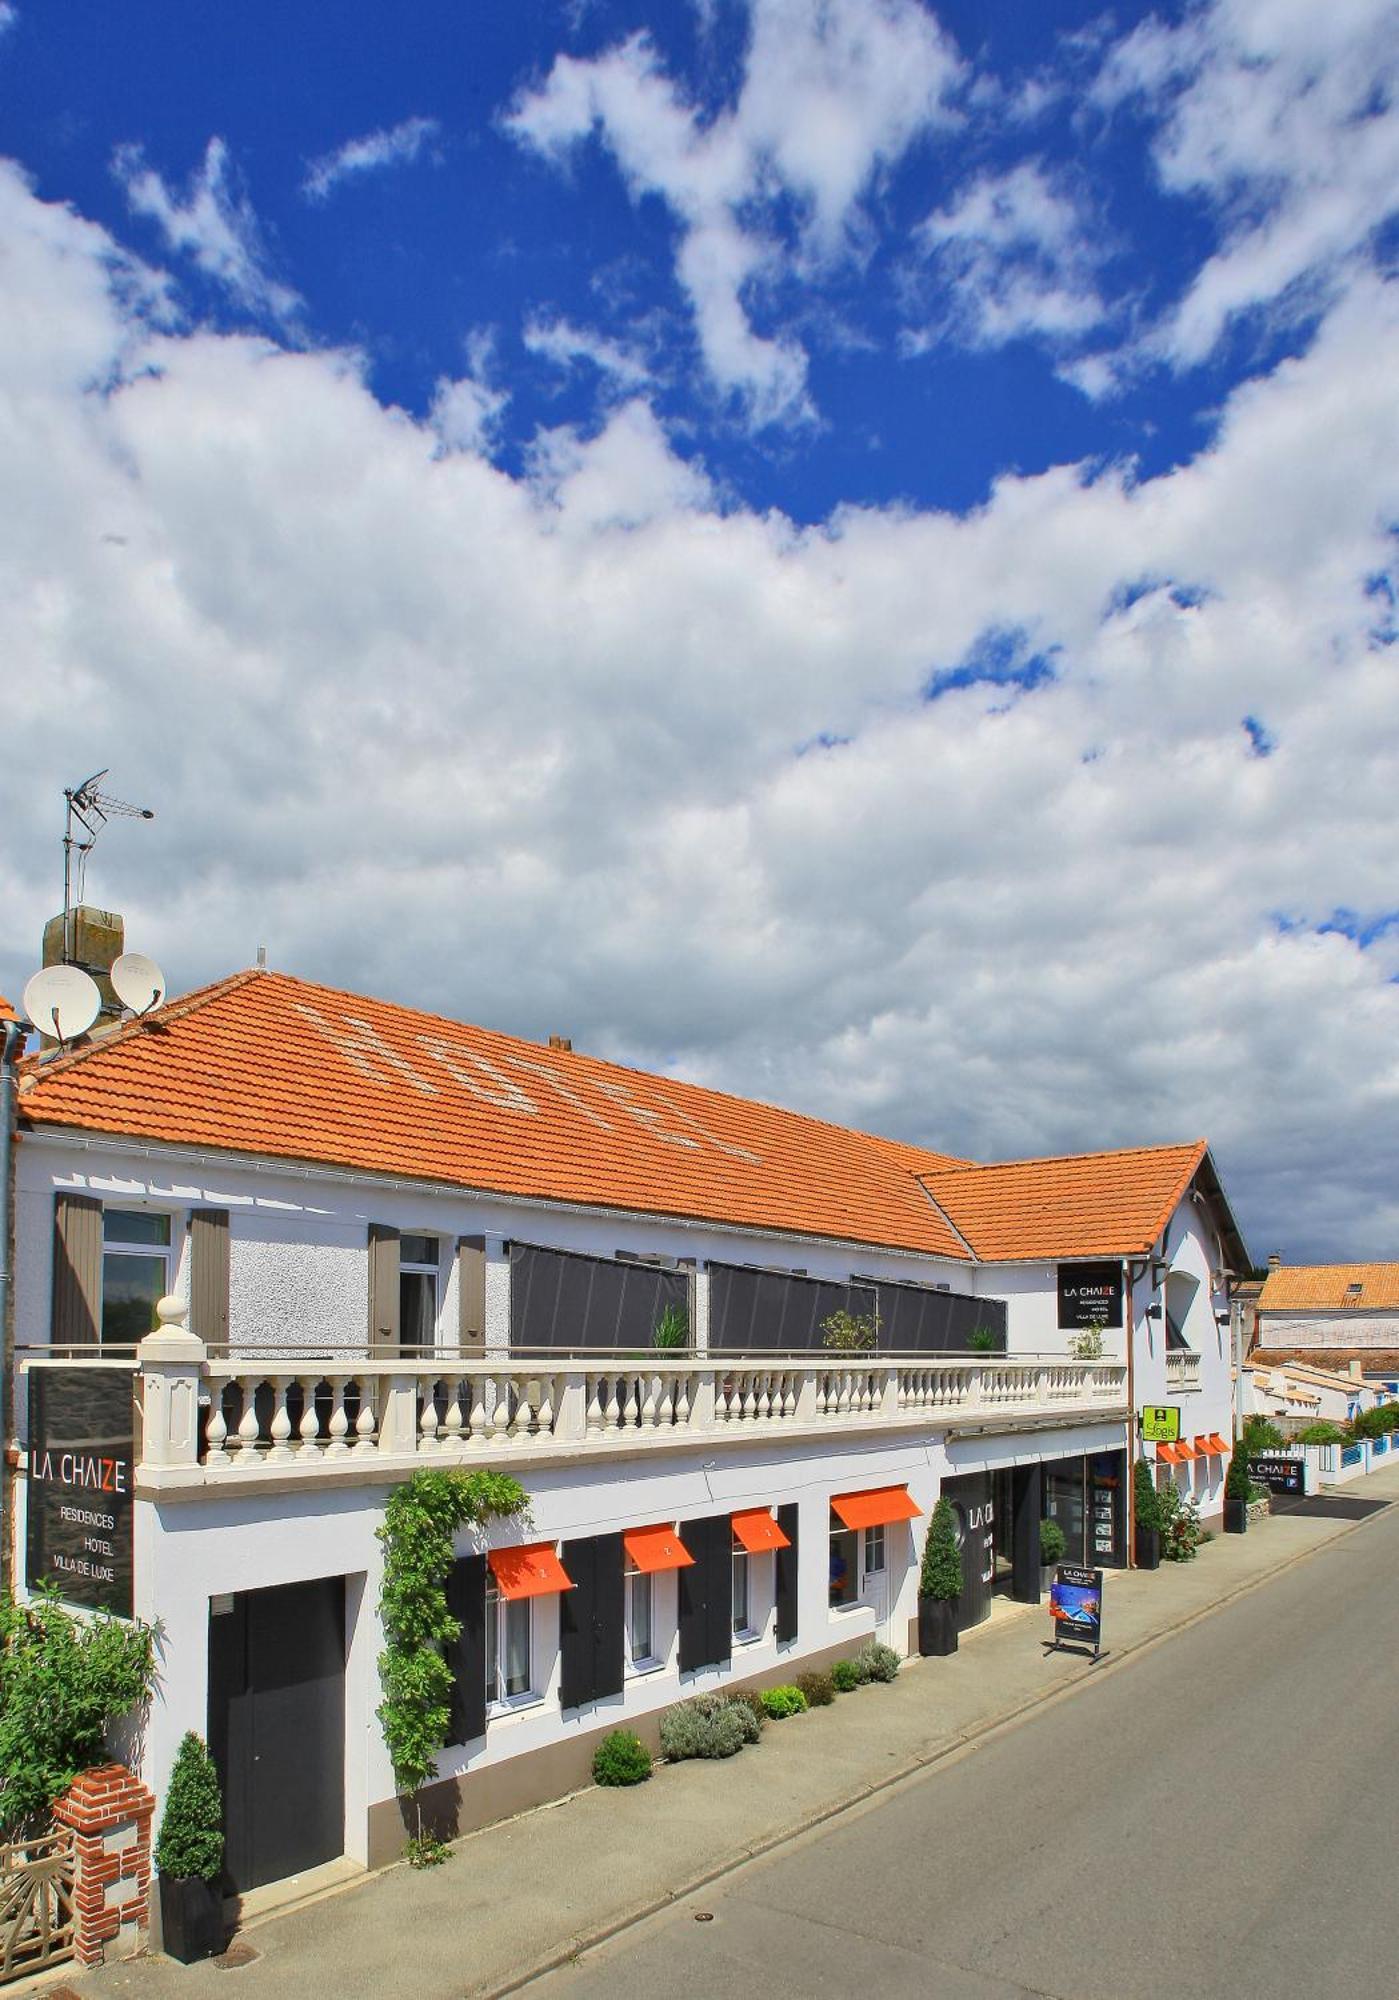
x=524, y=1411
x=339, y=1419
x=247, y=1428
x=216, y=1434
x=750, y=1401
x=309, y=1429
x=544, y=1415
x=612, y=1416
x=476, y=1422
x=631, y=1415
x=453, y=1421
x=500, y=1415
x=683, y=1401
x=594, y=1416
x=647, y=1418
x=280, y=1450
x=365, y=1426
x=665, y=1410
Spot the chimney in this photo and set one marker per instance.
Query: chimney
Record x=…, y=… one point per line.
x=1275, y=1261
x=1357, y=1368
x=98, y=941
x=564, y=1042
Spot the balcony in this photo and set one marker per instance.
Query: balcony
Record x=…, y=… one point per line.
x=1182, y=1371
x=214, y=1425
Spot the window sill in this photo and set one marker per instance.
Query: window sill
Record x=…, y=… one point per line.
x=513, y=1704
x=640, y=1670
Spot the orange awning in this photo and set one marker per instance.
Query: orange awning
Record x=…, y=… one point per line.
x=653, y=1549
x=1217, y=1445
x=1185, y=1451
x=875, y=1508
x=1169, y=1454
x=757, y=1531
x=533, y=1571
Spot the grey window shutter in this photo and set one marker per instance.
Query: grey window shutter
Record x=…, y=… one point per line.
x=471, y=1294
x=383, y=1286
x=466, y=1654
x=577, y=1652
x=77, y=1270
x=706, y=1593
x=786, y=1561
x=208, y=1275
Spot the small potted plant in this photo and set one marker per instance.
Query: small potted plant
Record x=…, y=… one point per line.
x=189, y=1856
x=1052, y=1547
x=1146, y=1506
x=1238, y=1488
x=939, y=1585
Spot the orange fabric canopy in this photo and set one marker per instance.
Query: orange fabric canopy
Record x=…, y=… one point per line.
x=532, y=1571
x=1217, y=1444
x=1185, y=1451
x=875, y=1508
x=1170, y=1454
x=757, y=1531
x=653, y=1549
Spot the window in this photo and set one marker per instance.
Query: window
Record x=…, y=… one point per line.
x=874, y=1550
x=417, y=1293
x=845, y=1566
x=135, y=1272
x=508, y=1636
x=641, y=1618
x=742, y=1621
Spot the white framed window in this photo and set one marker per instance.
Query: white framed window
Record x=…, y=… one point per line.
x=136, y=1272
x=742, y=1591
x=418, y=1261
x=845, y=1566
x=509, y=1647
x=642, y=1652
x=875, y=1559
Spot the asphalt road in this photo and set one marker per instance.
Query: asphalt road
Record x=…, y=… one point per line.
x=1217, y=1817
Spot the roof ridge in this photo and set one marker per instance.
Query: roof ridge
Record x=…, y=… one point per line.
x=36, y=1067
x=1098, y=1153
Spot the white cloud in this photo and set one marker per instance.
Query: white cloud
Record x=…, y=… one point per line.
x=467, y=410
x=527, y=748
x=9, y=16
x=214, y=224
x=1014, y=257
x=1285, y=120
x=390, y=146
x=833, y=92
x=557, y=339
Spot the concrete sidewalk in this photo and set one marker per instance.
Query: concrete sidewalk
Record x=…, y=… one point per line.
x=519, y=1897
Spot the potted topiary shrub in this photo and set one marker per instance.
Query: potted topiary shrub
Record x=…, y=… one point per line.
x=189, y=1856
x=1237, y=1493
x=939, y=1585
x=1052, y=1547
x=1146, y=1538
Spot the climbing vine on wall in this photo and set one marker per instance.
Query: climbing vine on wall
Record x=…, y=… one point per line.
x=420, y=1522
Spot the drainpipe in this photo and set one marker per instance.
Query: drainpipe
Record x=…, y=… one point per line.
x=14, y=1033
x=1134, y=1275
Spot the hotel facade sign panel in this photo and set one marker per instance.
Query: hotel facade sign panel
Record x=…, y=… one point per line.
x=81, y=1474
x=1090, y=1295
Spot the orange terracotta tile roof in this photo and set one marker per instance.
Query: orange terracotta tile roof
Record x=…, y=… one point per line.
x=1083, y=1205
x=265, y=1064
x=7, y=1012
x=1330, y=1288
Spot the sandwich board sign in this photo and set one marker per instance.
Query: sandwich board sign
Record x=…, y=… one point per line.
x=1076, y=1607
x=1159, y=1423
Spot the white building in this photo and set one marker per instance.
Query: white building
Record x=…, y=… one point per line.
x=403, y=1242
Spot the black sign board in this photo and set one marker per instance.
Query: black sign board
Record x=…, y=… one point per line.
x=81, y=1473
x=1277, y=1473
x=1090, y=1295
x=1076, y=1606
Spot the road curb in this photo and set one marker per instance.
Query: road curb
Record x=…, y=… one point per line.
x=1002, y=1720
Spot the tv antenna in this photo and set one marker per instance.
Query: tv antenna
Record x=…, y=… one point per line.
x=88, y=809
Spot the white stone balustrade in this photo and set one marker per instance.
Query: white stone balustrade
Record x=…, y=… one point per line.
x=283, y=1416
x=1182, y=1371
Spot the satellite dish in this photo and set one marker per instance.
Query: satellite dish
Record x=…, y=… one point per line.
x=62, y=1002
x=138, y=982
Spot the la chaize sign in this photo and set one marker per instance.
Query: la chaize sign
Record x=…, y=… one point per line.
x=81, y=1476
x=1090, y=1295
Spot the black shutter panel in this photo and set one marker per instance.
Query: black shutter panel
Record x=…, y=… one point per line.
x=77, y=1270
x=466, y=1600
x=609, y=1615
x=787, y=1573
x=694, y=1593
x=577, y=1644
x=721, y=1591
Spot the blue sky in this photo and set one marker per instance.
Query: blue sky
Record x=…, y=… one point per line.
x=837, y=547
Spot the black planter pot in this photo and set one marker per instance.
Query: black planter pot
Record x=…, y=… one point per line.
x=1235, y=1517
x=1146, y=1548
x=937, y=1627
x=191, y=1917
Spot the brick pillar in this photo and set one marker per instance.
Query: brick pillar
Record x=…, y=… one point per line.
x=110, y=1812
